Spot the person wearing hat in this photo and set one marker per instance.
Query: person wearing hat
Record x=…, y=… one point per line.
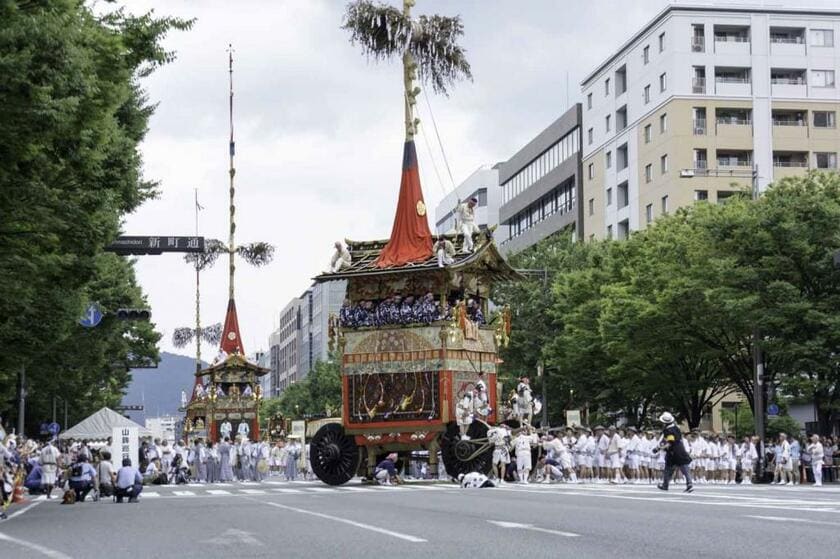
x=601, y=462
x=585, y=451
x=523, y=443
x=676, y=455
x=466, y=222
x=634, y=454
x=499, y=437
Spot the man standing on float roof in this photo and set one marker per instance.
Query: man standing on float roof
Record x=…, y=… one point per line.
x=676, y=454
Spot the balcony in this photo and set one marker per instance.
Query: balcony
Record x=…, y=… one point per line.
x=698, y=85
x=699, y=126
x=733, y=123
x=732, y=39
x=733, y=81
x=787, y=41
x=698, y=44
x=788, y=83
x=789, y=164
x=738, y=159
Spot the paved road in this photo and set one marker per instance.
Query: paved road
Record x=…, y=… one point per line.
x=308, y=519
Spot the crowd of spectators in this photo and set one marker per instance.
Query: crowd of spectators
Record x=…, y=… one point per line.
x=399, y=310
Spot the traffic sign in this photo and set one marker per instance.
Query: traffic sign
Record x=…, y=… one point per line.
x=127, y=244
x=92, y=316
x=54, y=428
x=773, y=410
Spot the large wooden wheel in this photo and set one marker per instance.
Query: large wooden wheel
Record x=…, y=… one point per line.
x=334, y=455
x=465, y=456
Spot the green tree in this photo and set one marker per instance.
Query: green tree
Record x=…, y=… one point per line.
x=72, y=115
x=313, y=396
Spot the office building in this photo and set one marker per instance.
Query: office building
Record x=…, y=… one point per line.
x=302, y=336
x=703, y=97
x=540, y=185
x=165, y=427
x=482, y=184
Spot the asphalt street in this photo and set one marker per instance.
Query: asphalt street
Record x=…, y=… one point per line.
x=309, y=519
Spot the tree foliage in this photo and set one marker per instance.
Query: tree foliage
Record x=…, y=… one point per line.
x=669, y=318
x=72, y=114
x=318, y=394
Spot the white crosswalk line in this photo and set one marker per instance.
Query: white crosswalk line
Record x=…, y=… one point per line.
x=357, y=488
x=321, y=489
x=149, y=494
x=279, y=490
x=253, y=491
x=184, y=493
x=218, y=492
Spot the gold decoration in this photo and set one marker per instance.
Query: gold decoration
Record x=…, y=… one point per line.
x=421, y=208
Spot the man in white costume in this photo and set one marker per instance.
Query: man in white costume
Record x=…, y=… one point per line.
x=523, y=443
x=49, y=467
x=243, y=430
x=341, y=258
x=225, y=429
x=445, y=252
x=466, y=222
x=499, y=437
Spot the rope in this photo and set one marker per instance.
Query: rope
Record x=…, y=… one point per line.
x=440, y=143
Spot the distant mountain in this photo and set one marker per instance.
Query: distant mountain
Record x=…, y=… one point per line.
x=159, y=390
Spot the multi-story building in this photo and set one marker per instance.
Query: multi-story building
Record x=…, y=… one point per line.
x=703, y=97
x=540, y=185
x=163, y=427
x=483, y=185
x=302, y=337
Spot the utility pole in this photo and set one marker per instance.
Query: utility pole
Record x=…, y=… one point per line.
x=758, y=369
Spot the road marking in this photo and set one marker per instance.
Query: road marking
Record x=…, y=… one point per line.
x=532, y=528
x=150, y=494
x=287, y=490
x=356, y=488
x=52, y=553
x=252, y=491
x=786, y=519
x=23, y=510
x=233, y=536
x=218, y=492
x=321, y=489
x=184, y=493
x=406, y=537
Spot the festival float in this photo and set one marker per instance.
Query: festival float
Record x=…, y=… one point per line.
x=418, y=351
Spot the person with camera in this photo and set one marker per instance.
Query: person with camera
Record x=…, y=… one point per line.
x=676, y=454
x=82, y=476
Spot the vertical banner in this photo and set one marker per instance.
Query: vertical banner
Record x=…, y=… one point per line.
x=299, y=431
x=125, y=443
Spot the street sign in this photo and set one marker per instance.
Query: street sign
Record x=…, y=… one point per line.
x=44, y=429
x=92, y=316
x=133, y=244
x=772, y=410
x=132, y=407
x=54, y=428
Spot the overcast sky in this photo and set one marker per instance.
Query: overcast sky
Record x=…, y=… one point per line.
x=319, y=131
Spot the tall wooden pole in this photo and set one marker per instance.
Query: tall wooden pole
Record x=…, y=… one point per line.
x=232, y=172
x=409, y=75
x=197, y=298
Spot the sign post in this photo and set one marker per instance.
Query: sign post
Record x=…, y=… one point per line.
x=125, y=443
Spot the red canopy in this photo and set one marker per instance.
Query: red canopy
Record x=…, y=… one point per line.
x=411, y=240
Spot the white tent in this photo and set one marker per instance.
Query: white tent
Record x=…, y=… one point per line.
x=100, y=426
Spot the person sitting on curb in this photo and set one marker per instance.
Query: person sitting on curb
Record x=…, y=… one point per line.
x=386, y=471
x=129, y=482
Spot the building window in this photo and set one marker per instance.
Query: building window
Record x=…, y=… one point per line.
x=824, y=119
x=590, y=136
x=648, y=134
x=609, y=159
x=648, y=173
x=822, y=38
x=646, y=54
x=663, y=123
x=663, y=82
x=649, y=213
x=609, y=231
x=646, y=95
x=592, y=206
x=623, y=195
x=665, y=204
x=701, y=195
x=822, y=78
x=591, y=171
x=609, y=196
x=661, y=42
x=826, y=160
x=607, y=86
x=607, y=121
x=663, y=164
x=588, y=101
